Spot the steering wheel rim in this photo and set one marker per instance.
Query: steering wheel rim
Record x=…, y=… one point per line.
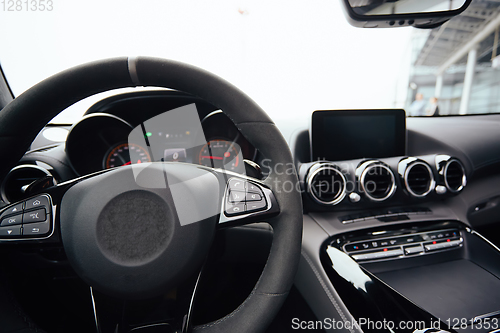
x=45, y=100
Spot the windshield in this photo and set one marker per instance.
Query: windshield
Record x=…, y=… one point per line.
x=291, y=57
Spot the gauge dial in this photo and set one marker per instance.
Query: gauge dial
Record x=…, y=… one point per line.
x=119, y=155
x=221, y=154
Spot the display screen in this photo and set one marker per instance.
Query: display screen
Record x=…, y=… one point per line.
x=353, y=134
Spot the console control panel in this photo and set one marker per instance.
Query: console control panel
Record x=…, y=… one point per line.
x=28, y=219
x=404, y=245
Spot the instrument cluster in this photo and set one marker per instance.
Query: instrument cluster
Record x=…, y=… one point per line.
x=102, y=141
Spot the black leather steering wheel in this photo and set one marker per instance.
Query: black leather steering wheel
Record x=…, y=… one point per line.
x=23, y=118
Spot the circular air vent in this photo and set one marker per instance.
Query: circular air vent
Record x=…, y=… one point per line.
x=326, y=184
x=454, y=176
x=17, y=180
x=377, y=182
x=419, y=179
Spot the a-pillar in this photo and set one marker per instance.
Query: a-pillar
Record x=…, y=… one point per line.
x=469, y=78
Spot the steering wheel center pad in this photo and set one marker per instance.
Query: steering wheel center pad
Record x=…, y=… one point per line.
x=127, y=240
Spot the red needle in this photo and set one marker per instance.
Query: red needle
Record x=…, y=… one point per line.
x=213, y=157
x=129, y=162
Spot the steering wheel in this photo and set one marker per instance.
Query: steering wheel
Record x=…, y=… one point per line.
x=82, y=214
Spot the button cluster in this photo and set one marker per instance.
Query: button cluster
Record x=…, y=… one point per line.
x=243, y=197
x=29, y=218
x=382, y=243
x=406, y=245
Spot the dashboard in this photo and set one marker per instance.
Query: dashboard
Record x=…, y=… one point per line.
x=402, y=217
x=138, y=127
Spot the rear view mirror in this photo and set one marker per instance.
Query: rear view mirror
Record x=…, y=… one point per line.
x=398, y=13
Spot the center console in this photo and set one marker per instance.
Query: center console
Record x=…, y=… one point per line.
x=441, y=273
x=386, y=238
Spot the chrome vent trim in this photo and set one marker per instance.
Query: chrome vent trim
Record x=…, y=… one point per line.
x=330, y=170
x=387, y=185
x=454, y=176
x=411, y=180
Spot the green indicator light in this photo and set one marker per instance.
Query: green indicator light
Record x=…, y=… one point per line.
x=149, y=134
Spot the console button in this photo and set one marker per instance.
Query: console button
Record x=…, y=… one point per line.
x=452, y=243
x=236, y=196
x=413, y=239
x=12, y=220
x=414, y=249
x=34, y=216
x=352, y=247
x=235, y=209
x=254, y=206
x=7, y=232
x=393, y=241
x=40, y=228
x=398, y=241
x=432, y=247
x=365, y=246
x=253, y=188
x=378, y=255
x=442, y=245
x=16, y=209
x=37, y=202
x=252, y=197
x=237, y=184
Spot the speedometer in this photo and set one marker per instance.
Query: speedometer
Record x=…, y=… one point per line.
x=119, y=155
x=221, y=154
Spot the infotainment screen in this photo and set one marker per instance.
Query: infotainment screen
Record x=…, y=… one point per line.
x=339, y=135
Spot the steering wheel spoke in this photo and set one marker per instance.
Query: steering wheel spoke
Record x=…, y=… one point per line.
x=35, y=219
x=166, y=313
x=28, y=221
x=245, y=200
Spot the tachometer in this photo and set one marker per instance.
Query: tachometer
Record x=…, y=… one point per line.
x=221, y=154
x=119, y=155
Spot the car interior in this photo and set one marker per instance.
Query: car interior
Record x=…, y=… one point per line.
x=175, y=203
